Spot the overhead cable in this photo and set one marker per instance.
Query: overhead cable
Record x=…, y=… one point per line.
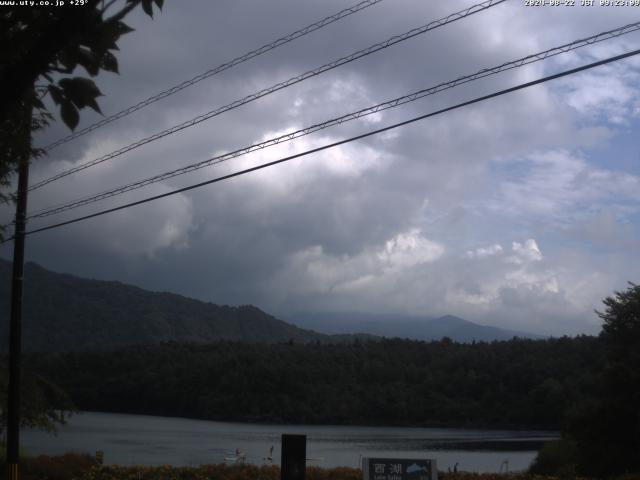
x=279, y=86
x=214, y=71
x=340, y=120
x=341, y=142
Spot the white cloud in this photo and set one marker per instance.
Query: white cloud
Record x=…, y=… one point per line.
x=524, y=253
x=409, y=249
x=483, y=252
x=358, y=272
x=558, y=185
x=608, y=93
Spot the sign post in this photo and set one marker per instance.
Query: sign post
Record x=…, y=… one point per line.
x=398, y=469
x=294, y=457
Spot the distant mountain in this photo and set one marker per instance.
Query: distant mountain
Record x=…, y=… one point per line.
x=64, y=312
x=402, y=326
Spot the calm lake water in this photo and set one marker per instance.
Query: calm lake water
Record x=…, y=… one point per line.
x=144, y=440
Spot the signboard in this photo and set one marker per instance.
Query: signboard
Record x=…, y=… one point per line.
x=399, y=469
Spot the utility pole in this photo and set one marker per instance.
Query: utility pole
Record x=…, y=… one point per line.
x=15, y=326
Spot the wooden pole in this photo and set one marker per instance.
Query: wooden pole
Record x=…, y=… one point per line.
x=15, y=326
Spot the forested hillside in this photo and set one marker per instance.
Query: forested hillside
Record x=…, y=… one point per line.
x=63, y=312
x=519, y=383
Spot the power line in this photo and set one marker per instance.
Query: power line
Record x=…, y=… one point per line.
x=341, y=142
x=214, y=71
x=339, y=120
x=279, y=86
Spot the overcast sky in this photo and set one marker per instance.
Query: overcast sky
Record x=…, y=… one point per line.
x=521, y=212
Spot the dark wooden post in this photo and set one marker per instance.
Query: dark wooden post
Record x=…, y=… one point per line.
x=294, y=457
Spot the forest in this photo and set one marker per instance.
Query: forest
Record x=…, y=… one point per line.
x=518, y=383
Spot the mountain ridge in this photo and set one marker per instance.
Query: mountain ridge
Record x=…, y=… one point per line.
x=65, y=312
x=404, y=326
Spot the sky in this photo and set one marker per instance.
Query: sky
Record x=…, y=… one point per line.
x=521, y=212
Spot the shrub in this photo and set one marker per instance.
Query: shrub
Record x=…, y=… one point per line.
x=64, y=467
x=557, y=458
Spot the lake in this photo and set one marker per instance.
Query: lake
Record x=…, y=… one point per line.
x=145, y=440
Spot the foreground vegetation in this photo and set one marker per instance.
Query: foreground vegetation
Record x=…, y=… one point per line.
x=84, y=467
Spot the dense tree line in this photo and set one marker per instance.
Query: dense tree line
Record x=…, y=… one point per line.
x=601, y=436
x=605, y=430
x=518, y=383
